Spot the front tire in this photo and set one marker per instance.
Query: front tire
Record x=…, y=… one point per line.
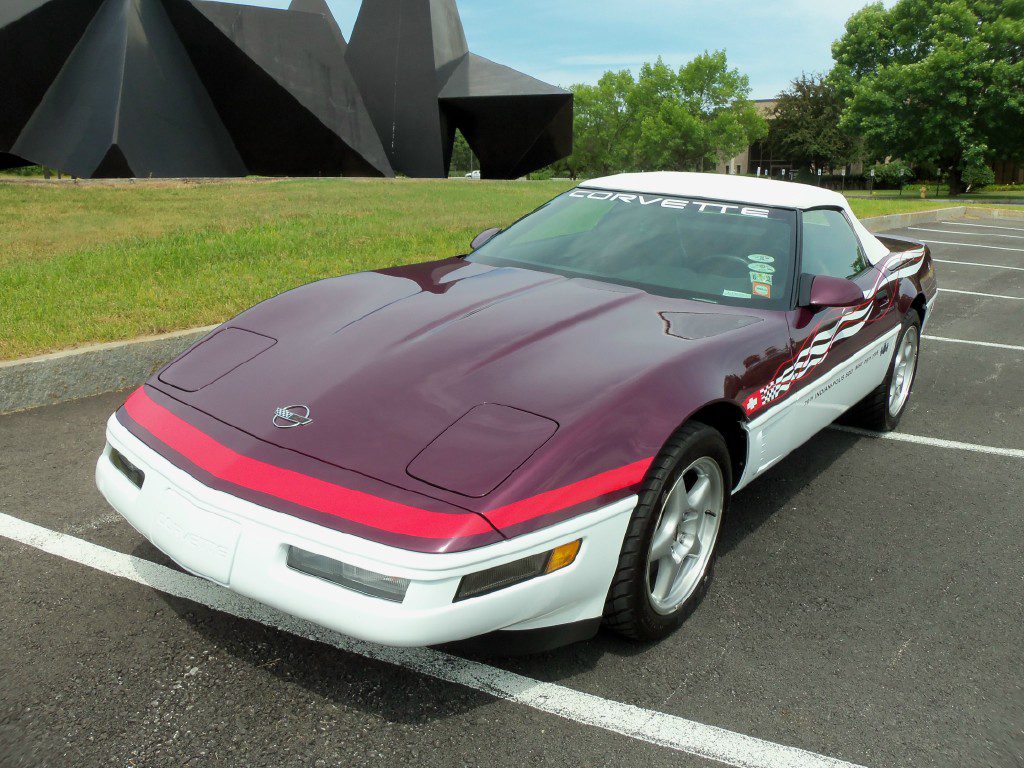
x=882, y=410
x=668, y=554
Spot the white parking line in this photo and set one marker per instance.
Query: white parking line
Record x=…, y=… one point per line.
x=982, y=226
x=966, y=234
x=984, y=295
x=935, y=442
x=977, y=264
x=993, y=345
x=642, y=724
x=974, y=245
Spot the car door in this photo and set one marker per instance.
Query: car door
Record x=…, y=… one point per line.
x=838, y=355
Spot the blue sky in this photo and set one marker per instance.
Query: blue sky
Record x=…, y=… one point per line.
x=575, y=41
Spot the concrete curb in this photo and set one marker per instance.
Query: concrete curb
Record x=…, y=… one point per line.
x=996, y=213
x=93, y=370
x=900, y=220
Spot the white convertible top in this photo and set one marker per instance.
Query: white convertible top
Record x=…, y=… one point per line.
x=739, y=189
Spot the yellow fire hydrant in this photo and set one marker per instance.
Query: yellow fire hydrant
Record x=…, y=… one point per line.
x=924, y=192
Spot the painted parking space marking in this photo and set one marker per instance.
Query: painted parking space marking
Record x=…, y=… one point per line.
x=965, y=234
x=974, y=245
x=982, y=226
x=977, y=264
x=983, y=295
x=650, y=726
x=934, y=442
x=990, y=344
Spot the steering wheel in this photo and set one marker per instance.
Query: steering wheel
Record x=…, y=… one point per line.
x=720, y=260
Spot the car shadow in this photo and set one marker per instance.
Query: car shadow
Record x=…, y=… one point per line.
x=752, y=508
x=774, y=490
x=325, y=673
x=392, y=693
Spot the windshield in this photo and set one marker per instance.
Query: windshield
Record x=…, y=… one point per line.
x=725, y=253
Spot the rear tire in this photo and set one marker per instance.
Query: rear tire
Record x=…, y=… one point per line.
x=683, y=501
x=882, y=410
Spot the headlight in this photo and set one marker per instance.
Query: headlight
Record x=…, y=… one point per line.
x=518, y=571
x=349, y=576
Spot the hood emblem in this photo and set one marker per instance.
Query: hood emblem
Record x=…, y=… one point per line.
x=292, y=416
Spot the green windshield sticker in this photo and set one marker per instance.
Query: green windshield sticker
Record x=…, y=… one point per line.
x=735, y=295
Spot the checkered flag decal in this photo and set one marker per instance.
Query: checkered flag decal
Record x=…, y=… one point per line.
x=814, y=352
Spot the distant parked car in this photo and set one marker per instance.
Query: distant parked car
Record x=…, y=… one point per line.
x=536, y=437
x=475, y=175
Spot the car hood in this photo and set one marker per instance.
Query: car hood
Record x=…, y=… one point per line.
x=388, y=362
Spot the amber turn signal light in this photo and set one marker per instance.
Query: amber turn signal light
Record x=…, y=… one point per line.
x=518, y=571
x=563, y=556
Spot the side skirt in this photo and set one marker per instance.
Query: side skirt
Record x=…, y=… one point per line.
x=782, y=429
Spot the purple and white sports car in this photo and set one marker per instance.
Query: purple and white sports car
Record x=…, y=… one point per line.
x=532, y=439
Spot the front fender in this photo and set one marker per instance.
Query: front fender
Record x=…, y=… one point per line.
x=603, y=453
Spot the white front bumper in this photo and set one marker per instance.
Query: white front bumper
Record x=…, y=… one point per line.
x=244, y=547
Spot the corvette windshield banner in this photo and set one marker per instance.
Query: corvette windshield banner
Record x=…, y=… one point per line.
x=672, y=203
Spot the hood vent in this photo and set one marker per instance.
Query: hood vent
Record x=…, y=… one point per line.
x=701, y=325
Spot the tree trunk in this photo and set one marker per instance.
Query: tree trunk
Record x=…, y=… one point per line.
x=956, y=181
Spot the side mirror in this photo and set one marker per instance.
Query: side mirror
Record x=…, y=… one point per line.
x=482, y=239
x=833, y=292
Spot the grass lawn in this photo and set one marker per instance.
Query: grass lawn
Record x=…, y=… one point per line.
x=100, y=262
x=868, y=208
x=1001, y=193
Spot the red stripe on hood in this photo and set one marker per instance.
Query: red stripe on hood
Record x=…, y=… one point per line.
x=356, y=506
x=569, y=495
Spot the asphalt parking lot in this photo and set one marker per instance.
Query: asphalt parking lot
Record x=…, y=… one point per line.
x=868, y=606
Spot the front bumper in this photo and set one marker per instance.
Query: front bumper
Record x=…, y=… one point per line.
x=244, y=547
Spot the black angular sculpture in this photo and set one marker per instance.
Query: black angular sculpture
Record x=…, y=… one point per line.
x=173, y=88
x=421, y=83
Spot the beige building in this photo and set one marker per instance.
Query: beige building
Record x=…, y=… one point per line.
x=760, y=159
x=756, y=156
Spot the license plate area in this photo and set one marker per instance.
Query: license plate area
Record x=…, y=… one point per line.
x=200, y=541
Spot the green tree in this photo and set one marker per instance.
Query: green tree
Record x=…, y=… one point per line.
x=664, y=119
x=936, y=82
x=697, y=115
x=601, y=131
x=463, y=159
x=804, y=126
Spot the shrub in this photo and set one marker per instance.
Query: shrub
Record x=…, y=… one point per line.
x=544, y=174
x=891, y=175
x=978, y=176
x=24, y=170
